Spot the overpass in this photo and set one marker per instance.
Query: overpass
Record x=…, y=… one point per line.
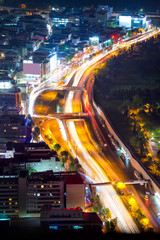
x=64, y=88
x=64, y=115
x=131, y=182
x=58, y=89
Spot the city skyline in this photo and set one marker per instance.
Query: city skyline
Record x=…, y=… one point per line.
x=79, y=118
x=118, y=5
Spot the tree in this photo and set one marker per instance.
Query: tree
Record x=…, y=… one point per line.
x=51, y=141
x=158, y=154
x=137, y=100
x=144, y=222
x=132, y=202
x=134, y=141
x=139, y=215
x=141, y=145
x=56, y=147
x=95, y=209
x=107, y=213
x=46, y=136
x=124, y=107
x=64, y=156
x=71, y=167
x=77, y=164
x=154, y=168
x=111, y=225
x=96, y=198
x=149, y=158
x=133, y=121
x=36, y=133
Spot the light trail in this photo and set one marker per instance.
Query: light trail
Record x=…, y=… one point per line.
x=108, y=195
x=93, y=162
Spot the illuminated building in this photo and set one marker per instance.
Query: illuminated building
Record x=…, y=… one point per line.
x=22, y=194
x=129, y=21
x=32, y=71
x=125, y=21
x=12, y=188
x=31, y=156
x=58, y=19
x=14, y=128
x=39, y=66
x=94, y=41
x=10, y=96
x=44, y=191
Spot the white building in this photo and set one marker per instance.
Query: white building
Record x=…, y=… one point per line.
x=45, y=165
x=94, y=41
x=36, y=69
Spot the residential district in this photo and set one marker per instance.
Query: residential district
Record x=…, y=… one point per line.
x=39, y=187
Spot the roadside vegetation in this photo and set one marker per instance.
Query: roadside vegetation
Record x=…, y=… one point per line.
x=127, y=87
x=105, y=215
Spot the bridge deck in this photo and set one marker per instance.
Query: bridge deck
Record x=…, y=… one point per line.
x=126, y=183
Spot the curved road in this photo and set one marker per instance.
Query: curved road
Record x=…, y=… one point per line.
x=84, y=144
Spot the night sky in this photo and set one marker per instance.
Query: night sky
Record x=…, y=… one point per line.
x=117, y=4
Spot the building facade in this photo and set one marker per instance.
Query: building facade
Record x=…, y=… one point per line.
x=41, y=193
x=13, y=128
x=129, y=21
x=70, y=219
x=12, y=194
x=10, y=96
x=24, y=195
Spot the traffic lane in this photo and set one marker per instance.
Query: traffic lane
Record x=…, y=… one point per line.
x=100, y=175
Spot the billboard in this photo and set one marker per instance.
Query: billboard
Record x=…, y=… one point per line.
x=31, y=68
x=53, y=62
x=125, y=21
x=138, y=22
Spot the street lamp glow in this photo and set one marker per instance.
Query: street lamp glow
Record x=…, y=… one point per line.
x=121, y=185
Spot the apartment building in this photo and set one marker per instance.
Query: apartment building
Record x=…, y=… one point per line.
x=14, y=128
x=12, y=197
x=44, y=191
x=23, y=195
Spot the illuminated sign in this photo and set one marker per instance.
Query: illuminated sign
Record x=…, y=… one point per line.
x=94, y=41
x=125, y=21
x=53, y=62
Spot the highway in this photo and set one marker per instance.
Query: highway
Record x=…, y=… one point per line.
x=76, y=128
x=85, y=141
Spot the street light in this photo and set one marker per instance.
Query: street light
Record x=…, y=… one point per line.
x=2, y=55
x=121, y=185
